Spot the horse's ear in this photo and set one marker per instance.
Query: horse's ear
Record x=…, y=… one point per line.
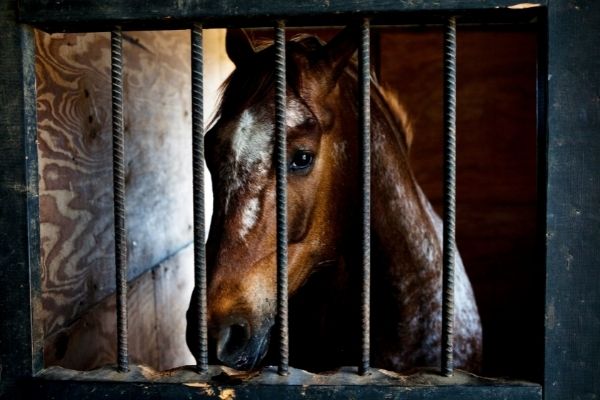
x=239, y=46
x=339, y=51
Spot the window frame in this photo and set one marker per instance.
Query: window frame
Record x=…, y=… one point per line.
x=568, y=160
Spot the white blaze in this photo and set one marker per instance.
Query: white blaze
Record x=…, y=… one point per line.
x=249, y=216
x=295, y=114
x=251, y=138
x=250, y=141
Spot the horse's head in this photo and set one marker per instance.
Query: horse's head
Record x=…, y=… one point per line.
x=241, y=249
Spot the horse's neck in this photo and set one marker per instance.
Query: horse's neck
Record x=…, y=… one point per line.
x=406, y=250
x=403, y=221
x=406, y=258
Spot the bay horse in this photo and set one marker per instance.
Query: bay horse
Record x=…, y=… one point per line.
x=323, y=209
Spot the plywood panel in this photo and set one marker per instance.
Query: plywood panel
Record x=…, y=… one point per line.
x=91, y=341
x=173, y=284
x=157, y=303
x=75, y=150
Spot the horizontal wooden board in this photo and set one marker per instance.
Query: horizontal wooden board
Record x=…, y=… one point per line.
x=117, y=391
x=157, y=303
x=101, y=15
x=75, y=169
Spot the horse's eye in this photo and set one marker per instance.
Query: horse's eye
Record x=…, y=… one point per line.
x=301, y=160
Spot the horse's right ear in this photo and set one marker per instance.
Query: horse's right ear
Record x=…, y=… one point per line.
x=239, y=46
x=339, y=51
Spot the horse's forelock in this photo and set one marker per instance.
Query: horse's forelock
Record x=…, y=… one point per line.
x=250, y=85
x=254, y=83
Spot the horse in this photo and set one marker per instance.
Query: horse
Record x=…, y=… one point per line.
x=323, y=234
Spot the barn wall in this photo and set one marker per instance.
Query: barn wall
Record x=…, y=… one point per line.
x=76, y=214
x=157, y=302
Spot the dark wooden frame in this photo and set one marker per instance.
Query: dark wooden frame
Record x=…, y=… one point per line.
x=569, y=170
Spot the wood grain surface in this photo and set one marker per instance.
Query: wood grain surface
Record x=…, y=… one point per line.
x=156, y=323
x=75, y=150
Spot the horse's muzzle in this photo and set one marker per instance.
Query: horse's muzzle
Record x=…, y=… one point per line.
x=238, y=346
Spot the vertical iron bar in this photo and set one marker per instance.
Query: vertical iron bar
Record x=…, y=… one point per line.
x=449, y=194
x=198, y=187
x=119, y=195
x=281, y=178
x=365, y=130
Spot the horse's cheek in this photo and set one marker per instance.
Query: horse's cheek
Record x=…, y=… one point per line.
x=301, y=207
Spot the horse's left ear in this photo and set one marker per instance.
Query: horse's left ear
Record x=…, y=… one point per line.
x=339, y=51
x=239, y=46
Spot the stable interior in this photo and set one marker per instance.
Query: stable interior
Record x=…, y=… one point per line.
x=498, y=203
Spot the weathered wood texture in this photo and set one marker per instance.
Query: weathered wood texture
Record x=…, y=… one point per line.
x=158, y=302
x=572, y=340
x=174, y=13
x=496, y=173
x=74, y=142
x=298, y=384
x=51, y=390
x=496, y=178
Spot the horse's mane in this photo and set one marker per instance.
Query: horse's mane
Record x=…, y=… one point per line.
x=249, y=86
x=399, y=113
x=387, y=102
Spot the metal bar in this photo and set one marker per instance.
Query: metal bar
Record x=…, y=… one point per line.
x=365, y=131
x=198, y=187
x=119, y=195
x=281, y=183
x=449, y=194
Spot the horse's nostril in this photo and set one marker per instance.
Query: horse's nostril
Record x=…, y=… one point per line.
x=232, y=339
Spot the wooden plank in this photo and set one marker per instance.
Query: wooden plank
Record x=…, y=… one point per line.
x=90, y=342
x=75, y=163
x=496, y=172
x=157, y=300
x=343, y=384
x=117, y=391
x=173, y=285
x=19, y=239
x=174, y=13
x=572, y=363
